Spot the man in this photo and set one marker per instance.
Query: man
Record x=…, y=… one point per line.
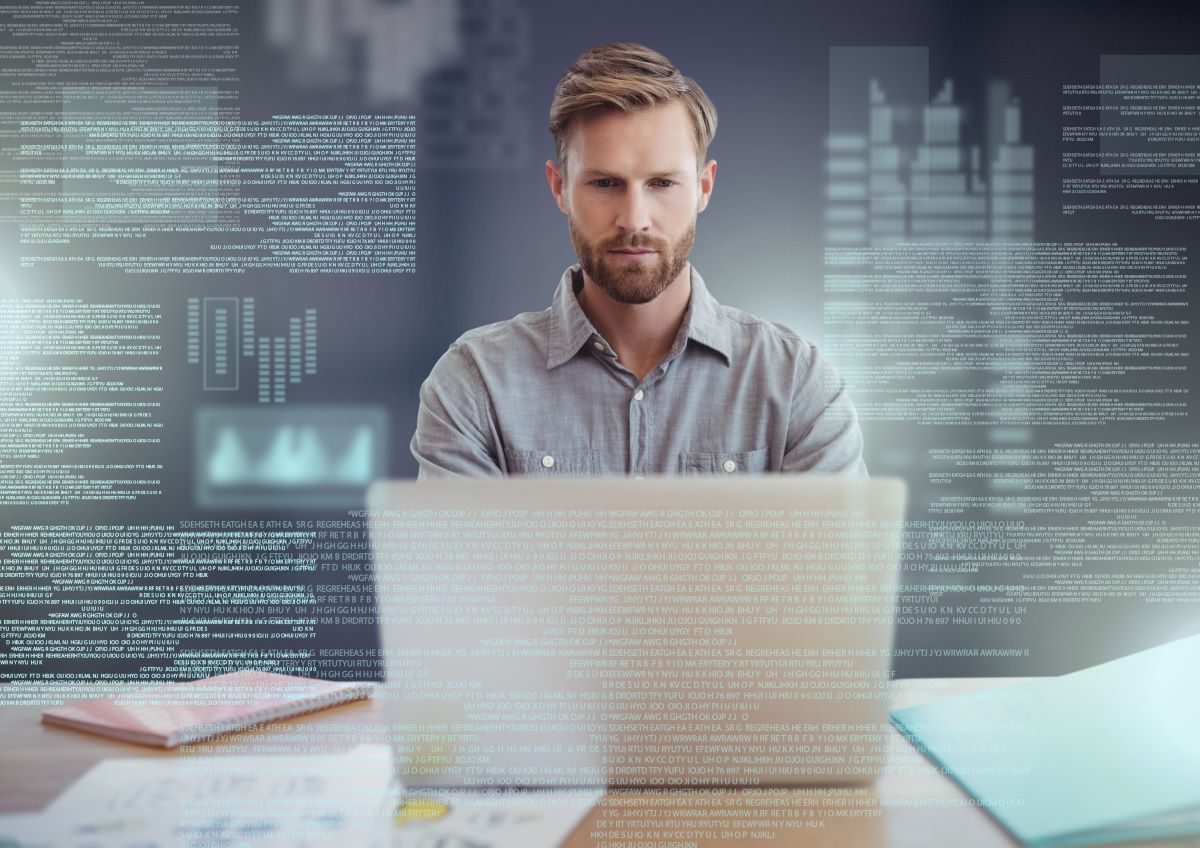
x=635, y=368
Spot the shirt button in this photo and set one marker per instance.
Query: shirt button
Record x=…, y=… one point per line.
x=639, y=394
x=598, y=345
x=730, y=466
x=547, y=461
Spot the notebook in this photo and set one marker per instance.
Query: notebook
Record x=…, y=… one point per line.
x=172, y=715
x=1107, y=754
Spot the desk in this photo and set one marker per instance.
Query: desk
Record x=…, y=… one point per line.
x=910, y=805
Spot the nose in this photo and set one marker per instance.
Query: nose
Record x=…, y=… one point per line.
x=634, y=212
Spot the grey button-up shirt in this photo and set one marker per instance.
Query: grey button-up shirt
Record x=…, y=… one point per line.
x=543, y=393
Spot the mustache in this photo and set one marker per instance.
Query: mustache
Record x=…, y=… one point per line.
x=636, y=242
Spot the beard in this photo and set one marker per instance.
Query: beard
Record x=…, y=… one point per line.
x=627, y=281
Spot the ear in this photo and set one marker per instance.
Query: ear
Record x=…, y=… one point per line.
x=708, y=181
x=555, y=178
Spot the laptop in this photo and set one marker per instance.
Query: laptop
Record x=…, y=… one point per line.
x=672, y=631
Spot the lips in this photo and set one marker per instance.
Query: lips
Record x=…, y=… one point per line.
x=635, y=256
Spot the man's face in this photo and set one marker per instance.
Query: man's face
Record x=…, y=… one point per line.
x=631, y=194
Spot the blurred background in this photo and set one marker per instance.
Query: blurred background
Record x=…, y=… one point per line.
x=237, y=236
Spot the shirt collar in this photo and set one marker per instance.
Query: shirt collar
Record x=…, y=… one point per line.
x=570, y=328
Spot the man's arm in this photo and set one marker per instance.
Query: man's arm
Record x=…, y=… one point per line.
x=453, y=437
x=823, y=433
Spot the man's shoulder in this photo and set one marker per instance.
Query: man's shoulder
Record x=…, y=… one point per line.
x=757, y=337
x=484, y=356
x=522, y=337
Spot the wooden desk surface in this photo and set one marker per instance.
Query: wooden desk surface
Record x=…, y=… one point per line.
x=910, y=805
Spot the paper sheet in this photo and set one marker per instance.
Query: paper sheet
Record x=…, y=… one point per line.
x=498, y=819
x=260, y=801
x=345, y=800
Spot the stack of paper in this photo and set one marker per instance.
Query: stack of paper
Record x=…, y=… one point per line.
x=1107, y=754
x=170, y=715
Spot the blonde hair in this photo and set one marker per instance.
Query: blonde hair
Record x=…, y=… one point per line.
x=628, y=77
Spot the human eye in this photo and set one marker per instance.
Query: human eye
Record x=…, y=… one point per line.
x=603, y=182
x=663, y=182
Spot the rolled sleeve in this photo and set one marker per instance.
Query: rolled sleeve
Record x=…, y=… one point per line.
x=454, y=437
x=823, y=433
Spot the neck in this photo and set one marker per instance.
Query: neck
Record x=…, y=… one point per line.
x=640, y=333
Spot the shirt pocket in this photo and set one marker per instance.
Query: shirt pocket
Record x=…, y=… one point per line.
x=745, y=462
x=574, y=461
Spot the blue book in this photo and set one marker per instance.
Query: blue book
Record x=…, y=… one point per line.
x=1107, y=754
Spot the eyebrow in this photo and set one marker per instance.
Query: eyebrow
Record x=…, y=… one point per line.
x=592, y=173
